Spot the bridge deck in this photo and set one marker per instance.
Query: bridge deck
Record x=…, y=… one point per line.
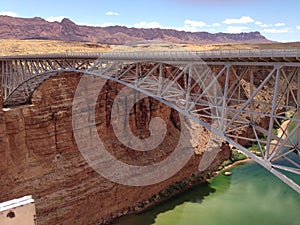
x=251, y=55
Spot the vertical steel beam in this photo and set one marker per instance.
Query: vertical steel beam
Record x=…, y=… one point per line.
x=273, y=112
x=251, y=97
x=172, y=82
x=225, y=95
x=212, y=82
x=160, y=80
x=251, y=93
x=188, y=87
x=6, y=79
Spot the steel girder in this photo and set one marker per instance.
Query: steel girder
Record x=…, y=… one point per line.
x=20, y=77
x=244, y=103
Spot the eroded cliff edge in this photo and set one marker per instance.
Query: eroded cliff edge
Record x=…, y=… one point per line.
x=39, y=156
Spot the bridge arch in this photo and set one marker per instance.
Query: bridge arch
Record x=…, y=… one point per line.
x=235, y=105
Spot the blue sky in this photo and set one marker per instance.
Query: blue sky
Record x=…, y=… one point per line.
x=277, y=20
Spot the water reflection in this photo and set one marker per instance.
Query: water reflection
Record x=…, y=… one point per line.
x=194, y=195
x=251, y=195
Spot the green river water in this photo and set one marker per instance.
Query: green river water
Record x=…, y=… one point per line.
x=250, y=196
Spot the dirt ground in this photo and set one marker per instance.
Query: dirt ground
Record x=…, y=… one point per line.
x=25, y=47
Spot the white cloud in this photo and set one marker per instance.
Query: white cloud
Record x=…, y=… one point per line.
x=109, y=24
x=106, y=24
x=189, y=25
x=258, y=23
x=216, y=25
x=242, y=20
x=298, y=27
x=194, y=23
x=7, y=13
x=266, y=25
x=110, y=13
x=277, y=31
x=188, y=29
x=55, y=18
x=279, y=24
x=148, y=25
x=232, y=29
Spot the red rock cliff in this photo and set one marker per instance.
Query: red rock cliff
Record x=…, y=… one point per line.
x=39, y=156
x=38, y=28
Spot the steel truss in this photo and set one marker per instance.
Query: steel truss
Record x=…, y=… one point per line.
x=254, y=103
x=20, y=77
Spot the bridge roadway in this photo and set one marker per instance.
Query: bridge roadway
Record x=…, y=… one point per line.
x=230, y=92
x=240, y=55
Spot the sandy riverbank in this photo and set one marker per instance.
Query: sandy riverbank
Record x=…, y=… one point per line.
x=233, y=165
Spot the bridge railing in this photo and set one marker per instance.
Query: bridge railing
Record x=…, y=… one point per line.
x=169, y=55
x=195, y=55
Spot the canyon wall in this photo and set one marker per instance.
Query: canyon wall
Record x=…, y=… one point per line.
x=39, y=156
x=3, y=140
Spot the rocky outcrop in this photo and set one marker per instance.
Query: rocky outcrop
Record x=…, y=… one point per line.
x=39, y=156
x=3, y=141
x=38, y=28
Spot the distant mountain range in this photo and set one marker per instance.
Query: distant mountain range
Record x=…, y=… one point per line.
x=38, y=28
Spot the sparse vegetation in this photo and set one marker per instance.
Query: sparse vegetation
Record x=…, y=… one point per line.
x=254, y=148
x=235, y=156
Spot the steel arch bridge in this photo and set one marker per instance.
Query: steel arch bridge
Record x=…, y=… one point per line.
x=242, y=96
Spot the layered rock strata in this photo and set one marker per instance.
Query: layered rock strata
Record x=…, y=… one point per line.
x=39, y=156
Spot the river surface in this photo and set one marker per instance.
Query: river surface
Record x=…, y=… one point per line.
x=250, y=196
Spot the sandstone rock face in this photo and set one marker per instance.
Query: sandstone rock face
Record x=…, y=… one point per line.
x=3, y=141
x=39, y=156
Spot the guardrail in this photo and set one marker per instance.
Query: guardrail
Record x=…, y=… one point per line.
x=169, y=55
x=244, y=53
